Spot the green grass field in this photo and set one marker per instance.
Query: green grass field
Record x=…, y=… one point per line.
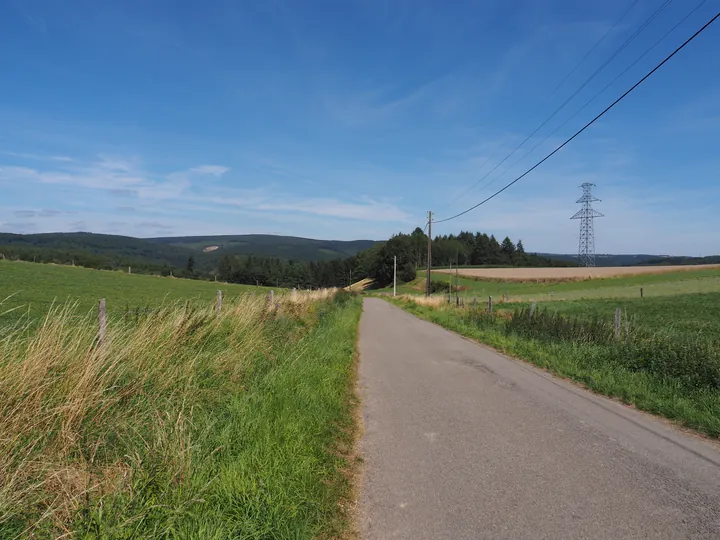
x=29, y=287
x=671, y=283
x=681, y=314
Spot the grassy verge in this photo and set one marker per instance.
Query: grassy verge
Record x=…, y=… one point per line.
x=181, y=424
x=676, y=377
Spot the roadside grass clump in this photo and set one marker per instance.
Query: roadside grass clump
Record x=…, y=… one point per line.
x=181, y=422
x=676, y=375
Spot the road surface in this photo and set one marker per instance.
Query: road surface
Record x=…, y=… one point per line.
x=461, y=442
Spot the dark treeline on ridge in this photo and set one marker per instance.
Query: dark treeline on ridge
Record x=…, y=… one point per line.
x=466, y=248
x=377, y=262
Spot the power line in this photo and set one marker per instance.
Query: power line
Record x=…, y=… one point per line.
x=591, y=122
x=597, y=43
x=630, y=39
x=588, y=102
x=590, y=51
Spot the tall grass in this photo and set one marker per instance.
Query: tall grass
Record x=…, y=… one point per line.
x=144, y=433
x=677, y=376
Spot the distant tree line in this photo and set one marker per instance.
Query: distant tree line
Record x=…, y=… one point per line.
x=464, y=249
x=85, y=258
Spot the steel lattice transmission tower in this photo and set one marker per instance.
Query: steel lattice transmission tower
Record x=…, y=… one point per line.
x=586, y=249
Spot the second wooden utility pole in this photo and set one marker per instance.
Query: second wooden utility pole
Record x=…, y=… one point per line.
x=429, y=255
x=395, y=275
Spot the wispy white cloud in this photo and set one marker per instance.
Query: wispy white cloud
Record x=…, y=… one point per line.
x=120, y=176
x=35, y=157
x=214, y=170
x=364, y=209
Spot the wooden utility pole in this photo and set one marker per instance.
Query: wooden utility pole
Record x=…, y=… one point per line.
x=457, y=280
x=429, y=255
x=395, y=275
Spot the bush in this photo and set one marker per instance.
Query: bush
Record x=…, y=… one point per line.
x=441, y=287
x=407, y=273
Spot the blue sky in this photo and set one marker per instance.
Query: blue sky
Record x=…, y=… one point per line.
x=350, y=119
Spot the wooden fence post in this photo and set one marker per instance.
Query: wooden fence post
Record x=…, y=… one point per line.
x=271, y=297
x=507, y=296
x=102, y=321
x=641, y=292
x=532, y=310
x=490, y=304
x=474, y=302
x=219, y=303
x=618, y=315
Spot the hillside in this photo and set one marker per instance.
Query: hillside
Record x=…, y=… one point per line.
x=286, y=247
x=161, y=255
x=95, y=249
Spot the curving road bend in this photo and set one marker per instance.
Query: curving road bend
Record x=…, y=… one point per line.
x=461, y=442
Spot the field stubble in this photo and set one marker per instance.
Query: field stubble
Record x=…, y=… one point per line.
x=560, y=274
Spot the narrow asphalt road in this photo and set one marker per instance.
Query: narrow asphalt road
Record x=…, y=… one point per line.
x=461, y=442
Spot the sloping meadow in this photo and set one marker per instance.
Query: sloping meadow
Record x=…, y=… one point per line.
x=181, y=422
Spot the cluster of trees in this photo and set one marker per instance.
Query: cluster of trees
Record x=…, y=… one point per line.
x=276, y=272
x=469, y=248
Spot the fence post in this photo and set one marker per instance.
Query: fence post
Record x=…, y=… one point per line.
x=271, y=297
x=532, y=310
x=507, y=296
x=102, y=321
x=618, y=316
x=490, y=304
x=641, y=292
x=474, y=302
x=219, y=302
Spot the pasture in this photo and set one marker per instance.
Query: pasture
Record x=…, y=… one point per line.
x=29, y=288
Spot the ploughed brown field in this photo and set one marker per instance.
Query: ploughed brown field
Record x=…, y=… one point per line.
x=569, y=274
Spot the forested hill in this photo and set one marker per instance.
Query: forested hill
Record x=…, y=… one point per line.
x=269, y=260
x=269, y=245
x=163, y=255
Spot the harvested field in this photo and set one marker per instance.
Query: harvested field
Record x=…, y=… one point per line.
x=569, y=274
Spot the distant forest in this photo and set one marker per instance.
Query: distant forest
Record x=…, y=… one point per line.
x=164, y=257
x=377, y=262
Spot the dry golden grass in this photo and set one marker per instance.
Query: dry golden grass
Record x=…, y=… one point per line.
x=361, y=285
x=81, y=420
x=568, y=274
x=432, y=301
